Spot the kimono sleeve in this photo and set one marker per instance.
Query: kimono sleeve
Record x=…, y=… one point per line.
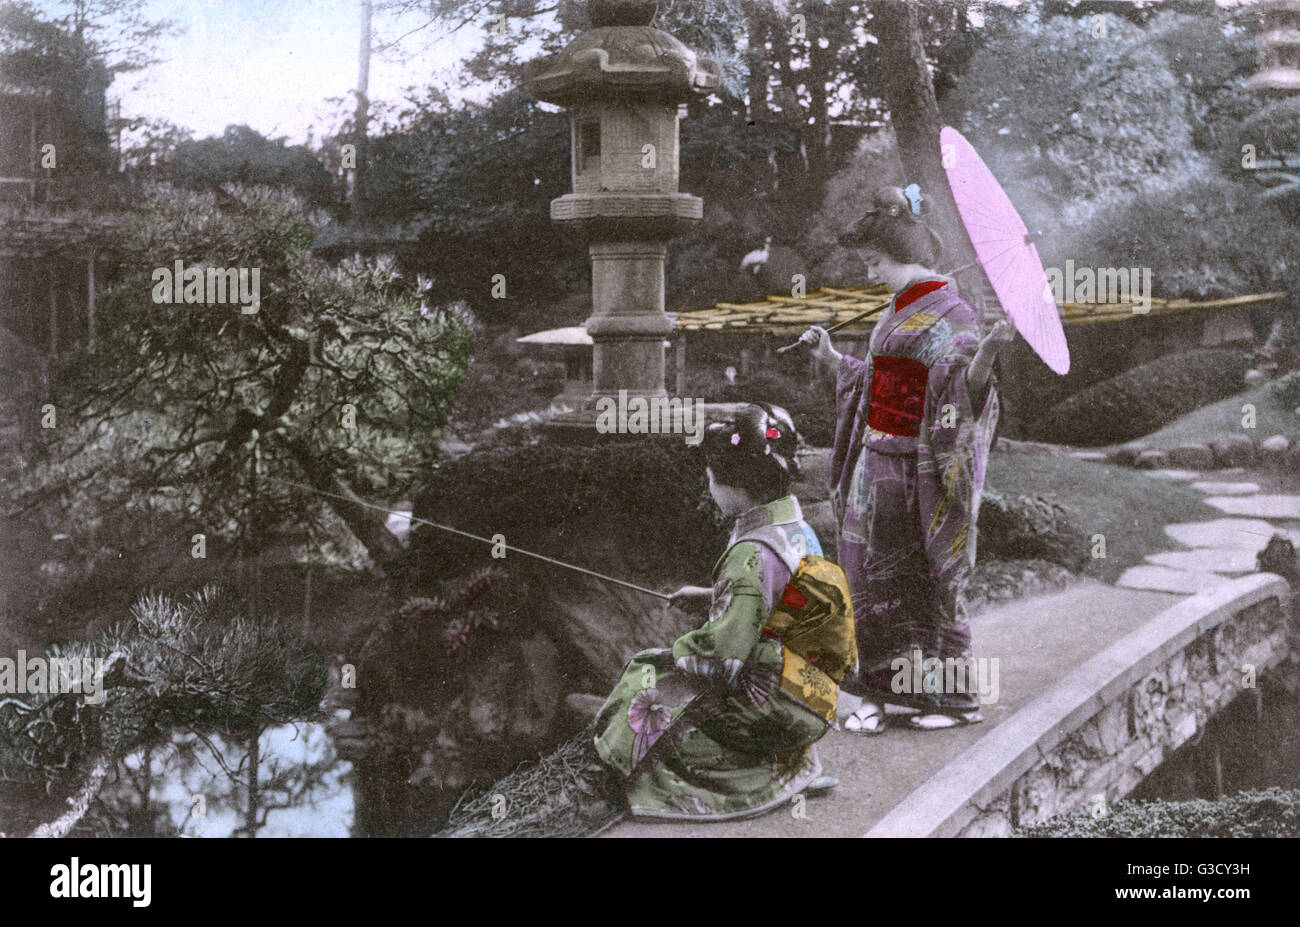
x=719, y=649
x=951, y=410
x=849, y=376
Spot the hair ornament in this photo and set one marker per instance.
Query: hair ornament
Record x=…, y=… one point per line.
x=913, y=193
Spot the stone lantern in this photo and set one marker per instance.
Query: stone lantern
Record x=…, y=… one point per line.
x=622, y=82
x=1279, y=49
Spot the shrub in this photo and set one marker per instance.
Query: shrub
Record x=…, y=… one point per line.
x=1271, y=812
x=1204, y=235
x=1141, y=400
x=1287, y=390
x=654, y=490
x=813, y=409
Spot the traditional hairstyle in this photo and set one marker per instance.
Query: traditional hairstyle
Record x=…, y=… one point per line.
x=756, y=452
x=893, y=226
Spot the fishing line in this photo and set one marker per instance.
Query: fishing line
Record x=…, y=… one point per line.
x=448, y=528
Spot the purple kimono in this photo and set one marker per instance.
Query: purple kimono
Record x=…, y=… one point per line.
x=906, y=473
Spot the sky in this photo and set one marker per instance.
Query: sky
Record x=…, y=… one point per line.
x=273, y=65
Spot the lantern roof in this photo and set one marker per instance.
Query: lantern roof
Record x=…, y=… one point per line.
x=1279, y=81
x=623, y=58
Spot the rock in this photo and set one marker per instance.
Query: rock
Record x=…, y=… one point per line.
x=1012, y=446
x=1229, y=560
x=1029, y=528
x=1234, y=451
x=1185, y=476
x=1166, y=579
x=1152, y=459
x=1248, y=533
x=1268, y=505
x=1192, y=456
x=1215, y=488
x=1125, y=456
x=1272, y=451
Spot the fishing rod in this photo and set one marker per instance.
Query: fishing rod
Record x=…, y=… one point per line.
x=862, y=315
x=466, y=534
x=836, y=327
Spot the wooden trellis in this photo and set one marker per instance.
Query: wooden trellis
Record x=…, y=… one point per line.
x=786, y=315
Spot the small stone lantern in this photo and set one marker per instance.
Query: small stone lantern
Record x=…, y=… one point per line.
x=1279, y=50
x=622, y=82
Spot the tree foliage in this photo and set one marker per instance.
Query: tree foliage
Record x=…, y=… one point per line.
x=242, y=155
x=194, y=662
x=1064, y=115
x=43, y=57
x=192, y=413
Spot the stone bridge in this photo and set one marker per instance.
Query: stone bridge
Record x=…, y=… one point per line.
x=1087, y=709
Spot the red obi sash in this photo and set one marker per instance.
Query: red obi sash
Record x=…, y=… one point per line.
x=897, y=395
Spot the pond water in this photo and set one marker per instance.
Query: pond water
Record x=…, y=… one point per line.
x=314, y=780
x=198, y=787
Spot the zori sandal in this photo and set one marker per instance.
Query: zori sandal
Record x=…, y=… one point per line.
x=939, y=721
x=823, y=783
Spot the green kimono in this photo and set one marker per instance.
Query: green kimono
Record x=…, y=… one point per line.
x=705, y=730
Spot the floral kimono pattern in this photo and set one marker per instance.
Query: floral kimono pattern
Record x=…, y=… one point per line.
x=907, y=471
x=704, y=731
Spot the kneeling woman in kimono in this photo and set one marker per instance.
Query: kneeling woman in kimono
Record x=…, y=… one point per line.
x=722, y=725
x=914, y=421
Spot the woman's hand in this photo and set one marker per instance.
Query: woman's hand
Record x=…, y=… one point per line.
x=981, y=365
x=823, y=350
x=694, y=600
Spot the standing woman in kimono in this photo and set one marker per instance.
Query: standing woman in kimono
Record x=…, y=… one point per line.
x=722, y=724
x=914, y=421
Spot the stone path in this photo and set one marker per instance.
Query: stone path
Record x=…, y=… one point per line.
x=1221, y=548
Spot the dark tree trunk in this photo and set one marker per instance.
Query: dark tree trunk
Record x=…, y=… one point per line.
x=914, y=114
x=362, y=114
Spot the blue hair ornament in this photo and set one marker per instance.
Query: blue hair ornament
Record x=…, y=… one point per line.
x=913, y=193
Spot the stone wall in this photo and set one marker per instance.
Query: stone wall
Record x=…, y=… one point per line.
x=1110, y=723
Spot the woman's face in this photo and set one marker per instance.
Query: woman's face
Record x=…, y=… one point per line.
x=883, y=269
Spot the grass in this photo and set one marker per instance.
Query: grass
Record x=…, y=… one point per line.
x=1273, y=416
x=1129, y=507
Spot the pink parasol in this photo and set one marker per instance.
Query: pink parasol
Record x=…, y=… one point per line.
x=1002, y=244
